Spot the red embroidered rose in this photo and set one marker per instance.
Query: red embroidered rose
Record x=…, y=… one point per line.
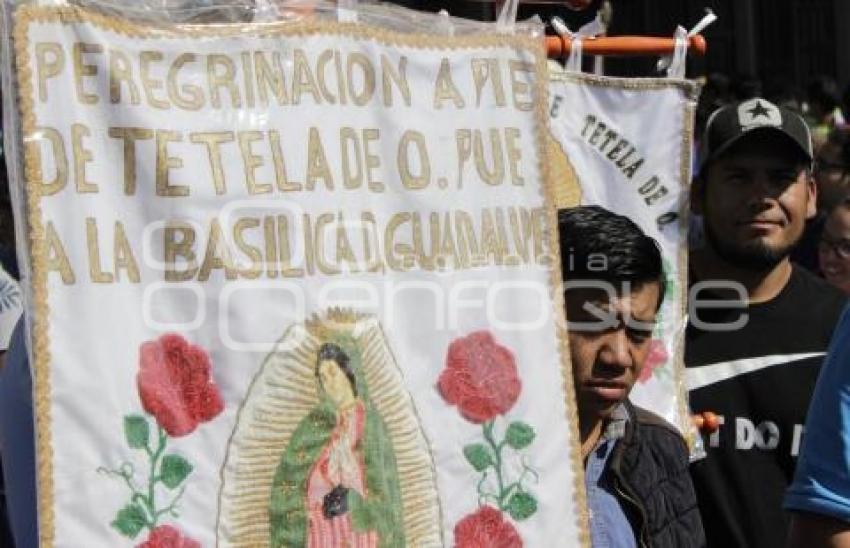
x=166, y=536
x=480, y=377
x=656, y=357
x=175, y=384
x=486, y=528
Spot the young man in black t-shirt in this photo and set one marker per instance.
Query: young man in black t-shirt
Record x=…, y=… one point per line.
x=753, y=360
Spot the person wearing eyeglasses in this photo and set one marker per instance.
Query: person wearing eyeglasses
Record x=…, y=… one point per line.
x=832, y=169
x=834, y=246
x=832, y=178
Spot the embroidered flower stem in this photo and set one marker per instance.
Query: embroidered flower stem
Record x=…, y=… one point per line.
x=165, y=470
x=125, y=472
x=510, y=497
x=152, y=478
x=497, y=464
x=171, y=508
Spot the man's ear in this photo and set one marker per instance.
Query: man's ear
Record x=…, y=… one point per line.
x=697, y=194
x=812, y=191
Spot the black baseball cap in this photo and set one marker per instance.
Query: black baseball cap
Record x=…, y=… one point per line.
x=729, y=124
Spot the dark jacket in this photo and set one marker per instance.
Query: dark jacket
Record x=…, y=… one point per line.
x=649, y=466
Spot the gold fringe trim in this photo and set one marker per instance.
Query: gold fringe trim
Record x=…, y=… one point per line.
x=688, y=87
x=689, y=112
x=40, y=344
x=549, y=191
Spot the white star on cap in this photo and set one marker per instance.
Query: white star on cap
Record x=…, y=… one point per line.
x=758, y=113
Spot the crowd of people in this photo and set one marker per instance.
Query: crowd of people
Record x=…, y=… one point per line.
x=772, y=196
x=766, y=189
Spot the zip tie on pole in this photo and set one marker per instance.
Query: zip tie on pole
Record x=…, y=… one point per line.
x=589, y=30
x=678, y=62
x=562, y=30
x=707, y=19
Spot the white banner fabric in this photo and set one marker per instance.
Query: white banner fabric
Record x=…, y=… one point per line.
x=292, y=286
x=629, y=143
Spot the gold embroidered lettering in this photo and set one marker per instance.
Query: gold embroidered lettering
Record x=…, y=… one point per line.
x=252, y=162
x=390, y=75
x=523, y=91
x=222, y=79
x=82, y=156
x=96, y=273
x=81, y=70
x=364, y=95
x=123, y=256
x=130, y=135
x=255, y=269
x=213, y=142
x=217, y=255
x=60, y=160
x=410, y=180
x=270, y=78
x=120, y=70
x=149, y=84
x=445, y=89
x=49, y=62
x=165, y=163
x=186, y=96
x=317, y=162
x=57, y=259
x=178, y=240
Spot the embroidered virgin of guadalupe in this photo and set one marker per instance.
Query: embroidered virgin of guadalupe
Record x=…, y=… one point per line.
x=337, y=483
x=328, y=450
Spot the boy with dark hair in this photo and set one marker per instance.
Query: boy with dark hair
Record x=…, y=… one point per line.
x=636, y=465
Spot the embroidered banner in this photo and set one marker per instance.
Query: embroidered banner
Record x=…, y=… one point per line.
x=629, y=145
x=293, y=285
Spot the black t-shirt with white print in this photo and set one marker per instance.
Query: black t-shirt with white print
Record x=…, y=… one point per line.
x=758, y=379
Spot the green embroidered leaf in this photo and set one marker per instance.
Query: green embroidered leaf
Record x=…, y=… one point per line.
x=174, y=470
x=137, y=431
x=519, y=435
x=130, y=520
x=478, y=456
x=522, y=505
